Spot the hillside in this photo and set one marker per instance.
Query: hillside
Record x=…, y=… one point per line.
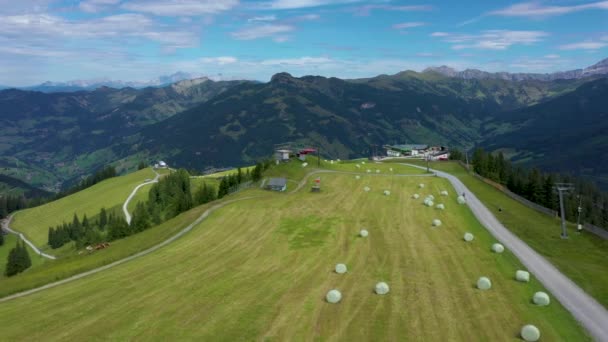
x=16, y=187
x=52, y=139
x=110, y=194
x=344, y=118
x=245, y=274
x=567, y=133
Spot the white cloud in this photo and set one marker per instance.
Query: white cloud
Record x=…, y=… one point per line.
x=180, y=7
x=367, y=9
x=536, y=9
x=222, y=60
x=47, y=30
x=588, y=45
x=402, y=26
x=262, y=18
x=551, y=56
x=491, y=39
x=295, y=4
x=298, y=62
x=93, y=6
x=262, y=31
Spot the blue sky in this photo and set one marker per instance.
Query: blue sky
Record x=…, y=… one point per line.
x=139, y=40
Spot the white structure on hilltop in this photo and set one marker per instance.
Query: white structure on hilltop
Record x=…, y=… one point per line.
x=161, y=165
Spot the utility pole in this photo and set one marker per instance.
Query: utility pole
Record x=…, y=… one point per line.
x=579, y=228
x=562, y=188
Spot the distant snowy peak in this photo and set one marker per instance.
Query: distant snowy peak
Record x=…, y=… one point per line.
x=600, y=68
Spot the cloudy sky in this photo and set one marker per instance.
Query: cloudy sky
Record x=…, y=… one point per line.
x=138, y=40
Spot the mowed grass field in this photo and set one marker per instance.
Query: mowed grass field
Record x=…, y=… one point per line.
x=583, y=257
x=259, y=269
x=35, y=222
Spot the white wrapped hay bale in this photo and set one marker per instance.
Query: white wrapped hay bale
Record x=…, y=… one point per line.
x=363, y=233
x=436, y=223
x=341, y=269
x=387, y=193
x=381, y=288
x=429, y=203
x=444, y=193
x=440, y=206
x=522, y=276
x=416, y=196
x=358, y=166
x=431, y=197
x=498, y=248
x=541, y=299
x=331, y=161
x=366, y=189
x=368, y=170
x=484, y=283
x=421, y=185
x=333, y=296
x=390, y=169
x=530, y=333
x=357, y=177
x=377, y=171
x=468, y=237
x=461, y=200
x=304, y=164
x=363, y=162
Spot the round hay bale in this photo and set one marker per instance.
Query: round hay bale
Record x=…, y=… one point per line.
x=461, y=200
x=522, y=276
x=381, y=288
x=541, y=298
x=333, y=296
x=390, y=169
x=358, y=166
x=331, y=161
x=377, y=171
x=436, y=223
x=430, y=203
x=416, y=196
x=357, y=177
x=440, y=206
x=498, y=248
x=366, y=189
x=530, y=333
x=468, y=237
x=431, y=197
x=421, y=185
x=444, y=193
x=363, y=233
x=341, y=269
x=304, y=164
x=368, y=170
x=363, y=162
x=387, y=193
x=484, y=283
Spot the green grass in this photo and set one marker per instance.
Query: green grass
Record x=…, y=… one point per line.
x=10, y=241
x=229, y=172
x=582, y=258
x=259, y=270
x=34, y=222
x=140, y=196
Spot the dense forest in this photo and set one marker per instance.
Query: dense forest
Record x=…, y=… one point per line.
x=539, y=187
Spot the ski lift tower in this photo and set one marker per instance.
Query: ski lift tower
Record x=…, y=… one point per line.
x=562, y=188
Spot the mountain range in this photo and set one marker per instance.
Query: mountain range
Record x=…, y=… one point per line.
x=51, y=140
x=600, y=68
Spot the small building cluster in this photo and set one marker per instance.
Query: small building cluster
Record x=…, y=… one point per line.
x=161, y=165
x=417, y=150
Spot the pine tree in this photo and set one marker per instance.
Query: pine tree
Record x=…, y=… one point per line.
x=141, y=219
x=103, y=218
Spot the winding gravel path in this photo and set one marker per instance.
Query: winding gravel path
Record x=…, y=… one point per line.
x=5, y=224
x=125, y=206
x=591, y=314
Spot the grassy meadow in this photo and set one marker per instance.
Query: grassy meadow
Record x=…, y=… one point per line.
x=259, y=269
x=34, y=222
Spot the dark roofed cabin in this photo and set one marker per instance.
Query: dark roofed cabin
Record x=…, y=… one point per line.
x=277, y=184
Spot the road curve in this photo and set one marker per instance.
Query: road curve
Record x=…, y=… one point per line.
x=125, y=206
x=591, y=314
x=6, y=226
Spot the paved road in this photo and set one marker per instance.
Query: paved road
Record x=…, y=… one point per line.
x=126, y=204
x=591, y=314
